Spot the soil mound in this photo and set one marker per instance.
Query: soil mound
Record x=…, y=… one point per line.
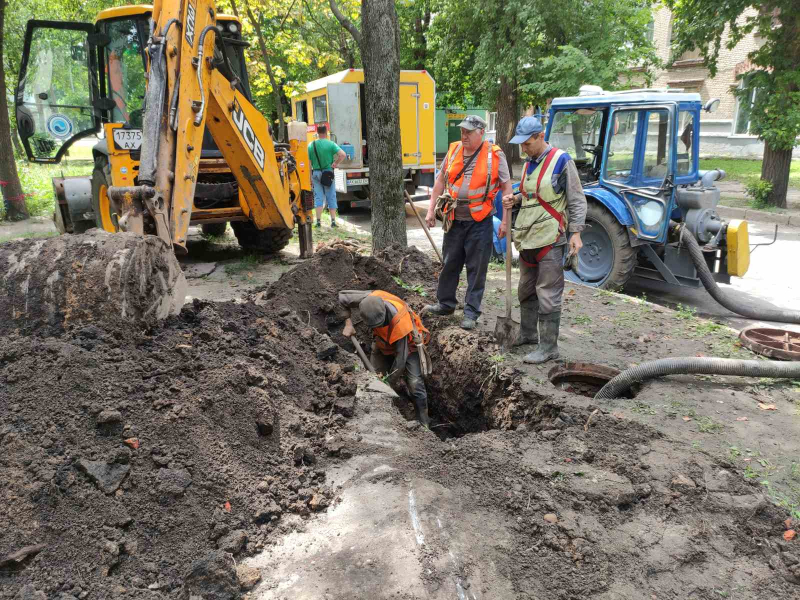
x=127, y=458
x=312, y=288
x=97, y=278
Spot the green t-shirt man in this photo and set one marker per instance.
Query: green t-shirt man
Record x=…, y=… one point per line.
x=326, y=150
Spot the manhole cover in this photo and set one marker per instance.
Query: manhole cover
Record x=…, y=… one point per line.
x=775, y=343
x=582, y=378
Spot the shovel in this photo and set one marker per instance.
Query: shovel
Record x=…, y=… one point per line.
x=424, y=226
x=506, y=330
x=361, y=354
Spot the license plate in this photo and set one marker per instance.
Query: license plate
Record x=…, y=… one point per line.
x=128, y=139
x=361, y=181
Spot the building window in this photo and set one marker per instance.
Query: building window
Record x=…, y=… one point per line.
x=651, y=30
x=692, y=55
x=744, y=109
x=492, y=125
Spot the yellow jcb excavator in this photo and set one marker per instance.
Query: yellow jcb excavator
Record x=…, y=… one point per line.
x=183, y=144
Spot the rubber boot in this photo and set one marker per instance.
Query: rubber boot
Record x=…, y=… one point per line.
x=422, y=412
x=529, y=317
x=548, y=339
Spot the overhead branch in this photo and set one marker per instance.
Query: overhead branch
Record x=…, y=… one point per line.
x=346, y=22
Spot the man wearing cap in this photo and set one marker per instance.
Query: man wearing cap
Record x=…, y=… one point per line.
x=471, y=174
x=552, y=205
x=398, y=347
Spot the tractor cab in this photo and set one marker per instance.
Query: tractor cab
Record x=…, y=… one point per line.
x=77, y=78
x=637, y=153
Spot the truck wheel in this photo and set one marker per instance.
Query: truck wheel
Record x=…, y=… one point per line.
x=101, y=203
x=214, y=229
x=606, y=260
x=268, y=240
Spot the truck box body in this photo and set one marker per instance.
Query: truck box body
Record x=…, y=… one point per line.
x=338, y=102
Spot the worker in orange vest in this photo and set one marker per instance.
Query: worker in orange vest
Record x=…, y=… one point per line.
x=463, y=199
x=399, y=341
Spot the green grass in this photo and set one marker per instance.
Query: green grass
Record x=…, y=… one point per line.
x=685, y=312
x=37, y=183
x=27, y=235
x=745, y=170
x=244, y=265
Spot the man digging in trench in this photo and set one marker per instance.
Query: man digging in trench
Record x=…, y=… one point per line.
x=399, y=341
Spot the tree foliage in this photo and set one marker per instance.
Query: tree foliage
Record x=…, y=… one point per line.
x=775, y=115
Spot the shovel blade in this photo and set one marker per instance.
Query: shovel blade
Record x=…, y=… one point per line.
x=506, y=332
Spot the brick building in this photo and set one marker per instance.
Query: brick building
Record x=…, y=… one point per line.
x=725, y=132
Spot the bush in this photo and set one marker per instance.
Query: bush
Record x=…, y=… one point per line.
x=760, y=192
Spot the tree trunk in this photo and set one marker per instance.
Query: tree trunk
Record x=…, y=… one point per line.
x=381, y=55
x=276, y=93
x=775, y=169
x=507, y=115
x=422, y=23
x=13, y=198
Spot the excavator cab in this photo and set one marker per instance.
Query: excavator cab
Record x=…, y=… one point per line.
x=79, y=80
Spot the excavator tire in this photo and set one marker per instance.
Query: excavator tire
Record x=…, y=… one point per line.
x=215, y=229
x=268, y=240
x=103, y=207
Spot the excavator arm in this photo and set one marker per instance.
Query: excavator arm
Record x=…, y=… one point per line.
x=187, y=92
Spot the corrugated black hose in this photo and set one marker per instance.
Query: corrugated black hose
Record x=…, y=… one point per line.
x=762, y=313
x=706, y=366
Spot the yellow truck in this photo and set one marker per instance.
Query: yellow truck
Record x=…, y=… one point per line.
x=338, y=102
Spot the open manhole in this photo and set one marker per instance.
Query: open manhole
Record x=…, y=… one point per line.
x=583, y=378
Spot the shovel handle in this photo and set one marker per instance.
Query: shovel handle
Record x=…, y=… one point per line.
x=507, y=227
x=424, y=226
x=361, y=354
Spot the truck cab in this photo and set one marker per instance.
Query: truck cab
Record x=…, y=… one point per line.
x=637, y=154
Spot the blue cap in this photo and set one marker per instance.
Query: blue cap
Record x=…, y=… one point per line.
x=526, y=127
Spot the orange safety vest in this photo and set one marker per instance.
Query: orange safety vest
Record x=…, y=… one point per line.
x=400, y=326
x=485, y=178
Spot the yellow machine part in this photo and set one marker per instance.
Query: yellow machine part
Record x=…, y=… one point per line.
x=738, y=242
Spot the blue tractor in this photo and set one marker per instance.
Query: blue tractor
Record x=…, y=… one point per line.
x=637, y=155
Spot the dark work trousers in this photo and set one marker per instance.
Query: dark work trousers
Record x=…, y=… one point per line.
x=413, y=375
x=466, y=243
x=545, y=281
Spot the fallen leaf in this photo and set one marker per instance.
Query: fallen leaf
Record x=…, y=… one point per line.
x=568, y=460
x=789, y=535
x=788, y=523
x=133, y=443
x=571, y=293
x=227, y=506
x=742, y=419
x=747, y=459
x=619, y=415
x=687, y=418
x=763, y=406
x=700, y=355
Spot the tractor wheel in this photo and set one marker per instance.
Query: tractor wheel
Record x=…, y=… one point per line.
x=268, y=241
x=103, y=207
x=214, y=229
x=607, y=259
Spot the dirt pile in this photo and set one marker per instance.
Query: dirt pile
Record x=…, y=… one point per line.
x=587, y=503
x=126, y=457
x=73, y=280
x=312, y=288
